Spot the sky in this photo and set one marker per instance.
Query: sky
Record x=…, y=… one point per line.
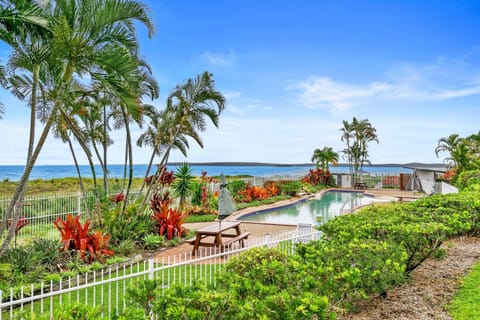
x=292, y=71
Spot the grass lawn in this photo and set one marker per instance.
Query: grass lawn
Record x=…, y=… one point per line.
x=466, y=304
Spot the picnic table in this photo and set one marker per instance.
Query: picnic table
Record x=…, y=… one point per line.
x=220, y=235
x=360, y=185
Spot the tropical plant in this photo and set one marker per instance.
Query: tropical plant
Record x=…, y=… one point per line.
x=153, y=241
x=187, y=107
x=357, y=135
x=77, y=237
x=128, y=225
x=183, y=184
x=322, y=157
x=464, y=153
x=48, y=252
x=290, y=188
x=168, y=220
x=157, y=136
x=319, y=177
x=85, y=39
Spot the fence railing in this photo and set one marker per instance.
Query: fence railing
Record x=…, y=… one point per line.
x=108, y=288
x=39, y=211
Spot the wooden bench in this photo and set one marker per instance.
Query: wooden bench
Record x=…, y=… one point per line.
x=240, y=239
x=230, y=240
x=360, y=185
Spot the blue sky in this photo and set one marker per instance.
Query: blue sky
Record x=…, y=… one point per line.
x=293, y=70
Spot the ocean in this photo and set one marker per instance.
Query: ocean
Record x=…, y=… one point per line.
x=14, y=173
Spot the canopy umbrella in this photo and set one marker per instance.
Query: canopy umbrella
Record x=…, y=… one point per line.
x=225, y=201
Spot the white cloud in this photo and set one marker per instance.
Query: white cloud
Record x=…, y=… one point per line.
x=325, y=93
x=232, y=94
x=438, y=81
x=219, y=59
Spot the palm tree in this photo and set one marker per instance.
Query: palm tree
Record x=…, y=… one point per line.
x=157, y=137
x=347, y=135
x=187, y=107
x=322, y=157
x=449, y=145
x=363, y=133
x=87, y=37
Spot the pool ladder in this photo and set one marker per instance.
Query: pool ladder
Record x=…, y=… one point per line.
x=343, y=206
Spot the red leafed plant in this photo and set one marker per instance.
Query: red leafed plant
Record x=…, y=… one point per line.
x=22, y=222
x=253, y=193
x=271, y=188
x=97, y=245
x=169, y=221
x=76, y=236
x=117, y=198
x=318, y=176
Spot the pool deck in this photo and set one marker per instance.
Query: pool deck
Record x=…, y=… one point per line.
x=260, y=229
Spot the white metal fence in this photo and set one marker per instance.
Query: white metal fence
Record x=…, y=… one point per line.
x=39, y=211
x=108, y=288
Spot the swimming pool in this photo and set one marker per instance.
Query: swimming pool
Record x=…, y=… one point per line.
x=313, y=211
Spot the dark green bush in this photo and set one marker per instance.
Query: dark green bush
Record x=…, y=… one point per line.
x=235, y=187
x=290, y=188
x=131, y=225
x=48, y=253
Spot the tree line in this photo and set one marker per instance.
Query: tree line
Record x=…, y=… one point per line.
x=77, y=66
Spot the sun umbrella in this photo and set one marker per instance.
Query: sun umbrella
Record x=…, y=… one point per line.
x=225, y=201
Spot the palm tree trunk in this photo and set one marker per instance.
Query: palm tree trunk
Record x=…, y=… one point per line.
x=161, y=165
x=104, y=142
x=77, y=167
x=146, y=173
x=128, y=151
x=31, y=143
x=22, y=185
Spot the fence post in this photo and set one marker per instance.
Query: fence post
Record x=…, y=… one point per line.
x=267, y=240
x=150, y=269
x=79, y=202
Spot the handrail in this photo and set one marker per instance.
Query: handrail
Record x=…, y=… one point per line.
x=343, y=206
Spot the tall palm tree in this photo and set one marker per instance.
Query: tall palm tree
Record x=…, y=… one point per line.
x=347, y=135
x=322, y=157
x=157, y=137
x=188, y=105
x=130, y=109
x=87, y=37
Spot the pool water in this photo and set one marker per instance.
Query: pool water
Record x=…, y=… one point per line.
x=315, y=211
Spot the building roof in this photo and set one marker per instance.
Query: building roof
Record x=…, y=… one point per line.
x=430, y=168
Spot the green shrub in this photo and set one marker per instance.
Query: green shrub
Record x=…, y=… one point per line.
x=22, y=259
x=75, y=311
x=131, y=225
x=153, y=241
x=48, y=252
x=125, y=248
x=467, y=180
x=290, y=188
x=235, y=187
x=348, y=271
